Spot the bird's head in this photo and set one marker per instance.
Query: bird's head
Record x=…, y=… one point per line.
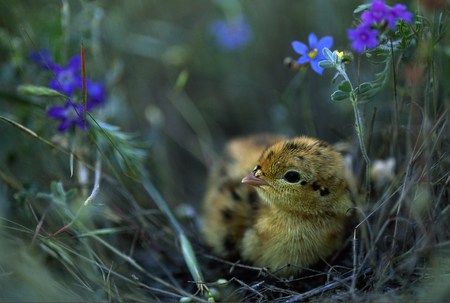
x=301, y=174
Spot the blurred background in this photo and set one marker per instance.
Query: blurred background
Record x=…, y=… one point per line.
x=229, y=91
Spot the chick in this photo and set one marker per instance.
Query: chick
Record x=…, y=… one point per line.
x=229, y=207
x=298, y=214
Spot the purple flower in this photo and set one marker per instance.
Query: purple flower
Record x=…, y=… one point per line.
x=377, y=13
x=96, y=94
x=313, y=53
x=67, y=78
x=398, y=12
x=42, y=58
x=231, y=34
x=70, y=115
x=363, y=37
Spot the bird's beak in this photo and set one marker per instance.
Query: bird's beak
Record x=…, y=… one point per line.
x=251, y=179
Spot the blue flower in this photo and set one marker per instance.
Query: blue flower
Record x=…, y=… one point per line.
x=231, y=34
x=70, y=116
x=313, y=53
x=67, y=78
x=363, y=37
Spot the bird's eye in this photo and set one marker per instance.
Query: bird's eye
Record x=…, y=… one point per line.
x=292, y=176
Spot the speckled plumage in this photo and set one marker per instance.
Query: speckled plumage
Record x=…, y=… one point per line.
x=292, y=206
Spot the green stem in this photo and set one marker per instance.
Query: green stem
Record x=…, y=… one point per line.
x=360, y=133
x=396, y=118
x=358, y=127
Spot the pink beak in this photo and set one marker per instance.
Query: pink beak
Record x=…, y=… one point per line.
x=252, y=180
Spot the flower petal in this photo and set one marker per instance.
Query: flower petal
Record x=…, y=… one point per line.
x=231, y=34
x=96, y=92
x=367, y=19
x=64, y=125
x=57, y=112
x=320, y=57
x=300, y=47
x=54, y=85
x=80, y=124
x=56, y=68
x=358, y=47
x=378, y=11
x=74, y=63
x=326, y=41
x=315, y=66
x=303, y=59
x=42, y=58
x=312, y=40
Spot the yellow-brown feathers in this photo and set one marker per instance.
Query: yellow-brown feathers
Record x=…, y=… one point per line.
x=299, y=214
x=229, y=206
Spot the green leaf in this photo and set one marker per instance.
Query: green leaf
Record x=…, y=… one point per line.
x=181, y=80
x=340, y=96
x=104, y=231
x=328, y=54
x=335, y=77
x=72, y=149
x=108, y=127
x=345, y=86
x=57, y=193
x=326, y=64
x=364, y=88
x=62, y=253
x=361, y=8
x=129, y=153
x=190, y=259
x=40, y=91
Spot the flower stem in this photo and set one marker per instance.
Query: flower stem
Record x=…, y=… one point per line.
x=360, y=134
x=359, y=126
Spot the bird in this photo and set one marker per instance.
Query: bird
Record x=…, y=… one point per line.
x=277, y=203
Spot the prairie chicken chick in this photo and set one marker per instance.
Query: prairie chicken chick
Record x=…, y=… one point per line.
x=229, y=207
x=300, y=211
